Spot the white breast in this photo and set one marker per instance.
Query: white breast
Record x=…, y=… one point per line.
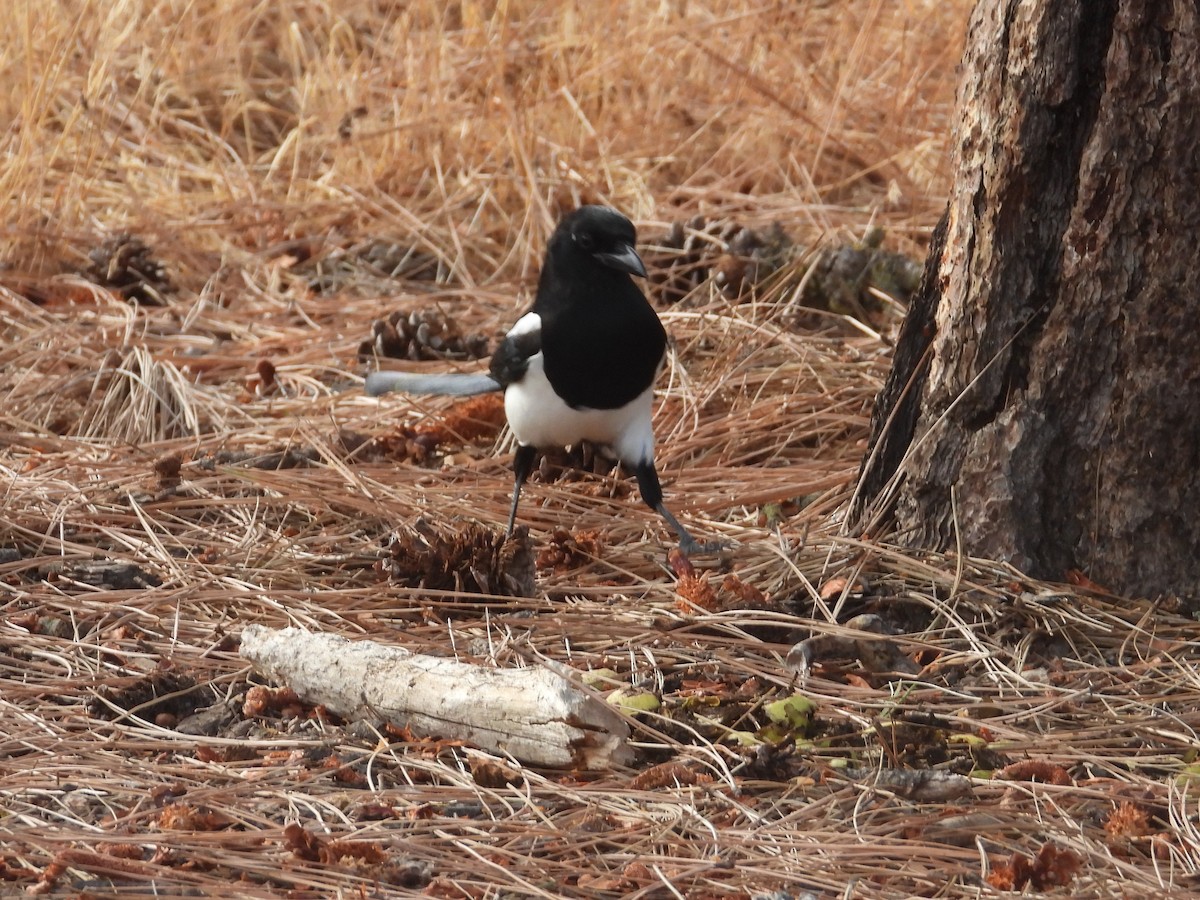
x=539, y=418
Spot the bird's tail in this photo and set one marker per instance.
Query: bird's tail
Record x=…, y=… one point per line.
x=451, y=384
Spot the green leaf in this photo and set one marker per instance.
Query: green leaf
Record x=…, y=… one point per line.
x=600, y=678
x=973, y=741
x=634, y=700
x=794, y=712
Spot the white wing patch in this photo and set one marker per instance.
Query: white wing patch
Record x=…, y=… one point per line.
x=529, y=323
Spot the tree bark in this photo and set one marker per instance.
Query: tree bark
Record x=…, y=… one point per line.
x=1044, y=405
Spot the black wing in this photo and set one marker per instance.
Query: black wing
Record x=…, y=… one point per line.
x=511, y=359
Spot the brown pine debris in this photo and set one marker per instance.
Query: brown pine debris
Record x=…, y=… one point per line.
x=1052, y=867
x=1036, y=770
x=697, y=591
x=1127, y=820
x=668, y=774
x=465, y=557
x=371, y=858
x=566, y=550
x=181, y=816
x=874, y=649
x=298, y=173
x=161, y=691
x=465, y=422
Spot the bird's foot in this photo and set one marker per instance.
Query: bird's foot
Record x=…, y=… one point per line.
x=689, y=546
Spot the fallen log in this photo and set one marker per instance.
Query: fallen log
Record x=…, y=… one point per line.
x=534, y=714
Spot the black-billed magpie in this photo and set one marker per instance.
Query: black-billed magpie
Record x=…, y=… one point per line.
x=581, y=364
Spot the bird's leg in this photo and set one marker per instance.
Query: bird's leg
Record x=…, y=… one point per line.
x=522, y=465
x=651, y=489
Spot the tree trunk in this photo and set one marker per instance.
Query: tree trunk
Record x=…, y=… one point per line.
x=1044, y=405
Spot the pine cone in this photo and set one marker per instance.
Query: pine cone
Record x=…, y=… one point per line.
x=683, y=259
x=751, y=257
x=843, y=276
x=569, y=550
x=469, y=559
x=736, y=257
x=124, y=263
x=421, y=334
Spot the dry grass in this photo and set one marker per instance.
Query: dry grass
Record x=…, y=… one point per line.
x=175, y=472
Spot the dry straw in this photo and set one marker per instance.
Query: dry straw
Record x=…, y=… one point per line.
x=173, y=473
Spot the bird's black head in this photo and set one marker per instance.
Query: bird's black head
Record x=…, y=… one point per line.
x=601, y=234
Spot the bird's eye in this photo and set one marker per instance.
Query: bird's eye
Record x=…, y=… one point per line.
x=585, y=242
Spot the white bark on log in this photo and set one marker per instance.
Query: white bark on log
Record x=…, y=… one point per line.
x=534, y=714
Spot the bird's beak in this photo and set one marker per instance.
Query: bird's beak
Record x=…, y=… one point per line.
x=624, y=259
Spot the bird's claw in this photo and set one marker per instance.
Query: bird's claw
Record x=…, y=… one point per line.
x=689, y=546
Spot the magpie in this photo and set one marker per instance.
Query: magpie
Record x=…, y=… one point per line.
x=581, y=364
